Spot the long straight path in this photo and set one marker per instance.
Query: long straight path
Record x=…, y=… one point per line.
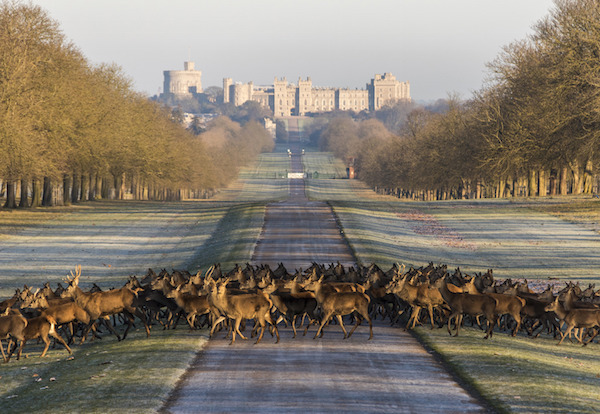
x=391, y=373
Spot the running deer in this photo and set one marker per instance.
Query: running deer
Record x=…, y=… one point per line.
x=104, y=304
x=240, y=307
x=40, y=327
x=466, y=303
x=505, y=304
x=574, y=318
x=63, y=313
x=338, y=304
x=192, y=305
x=418, y=297
x=295, y=303
x=12, y=326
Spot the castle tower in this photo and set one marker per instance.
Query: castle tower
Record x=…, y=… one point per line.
x=182, y=82
x=227, y=82
x=304, y=96
x=385, y=89
x=281, y=104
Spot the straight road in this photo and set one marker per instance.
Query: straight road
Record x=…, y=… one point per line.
x=391, y=373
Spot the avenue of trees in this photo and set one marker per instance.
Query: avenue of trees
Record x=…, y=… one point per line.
x=71, y=131
x=532, y=130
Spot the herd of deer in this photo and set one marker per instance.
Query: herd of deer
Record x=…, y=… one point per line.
x=318, y=294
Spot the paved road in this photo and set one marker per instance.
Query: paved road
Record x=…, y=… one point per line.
x=391, y=373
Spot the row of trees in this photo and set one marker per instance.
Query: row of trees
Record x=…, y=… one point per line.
x=532, y=130
x=72, y=131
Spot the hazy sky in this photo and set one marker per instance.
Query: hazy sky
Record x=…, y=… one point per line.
x=439, y=46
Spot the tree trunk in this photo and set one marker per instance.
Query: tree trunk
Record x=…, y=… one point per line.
x=564, y=188
x=501, y=189
x=98, y=192
x=48, y=194
x=588, y=178
x=11, y=197
x=85, y=181
x=92, y=187
x=542, y=184
x=24, y=202
x=66, y=189
x=76, y=188
x=36, y=193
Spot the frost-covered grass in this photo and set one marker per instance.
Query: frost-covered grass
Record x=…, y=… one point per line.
x=522, y=374
x=323, y=165
x=106, y=376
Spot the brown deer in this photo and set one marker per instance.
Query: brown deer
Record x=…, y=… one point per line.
x=104, y=304
x=241, y=307
x=295, y=303
x=192, y=305
x=505, y=304
x=63, y=313
x=418, y=297
x=574, y=318
x=12, y=326
x=338, y=304
x=40, y=327
x=466, y=303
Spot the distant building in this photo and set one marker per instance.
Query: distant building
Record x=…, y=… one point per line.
x=286, y=99
x=182, y=82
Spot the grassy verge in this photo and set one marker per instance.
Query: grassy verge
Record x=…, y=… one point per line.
x=107, y=376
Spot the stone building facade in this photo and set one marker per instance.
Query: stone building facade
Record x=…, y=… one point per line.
x=182, y=82
x=286, y=99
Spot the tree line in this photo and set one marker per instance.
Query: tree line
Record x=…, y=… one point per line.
x=533, y=129
x=72, y=131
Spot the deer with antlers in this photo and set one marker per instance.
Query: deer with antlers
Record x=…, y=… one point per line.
x=104, y=304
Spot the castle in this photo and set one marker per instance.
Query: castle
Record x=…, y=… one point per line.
x=287, y=99
x=182, y=82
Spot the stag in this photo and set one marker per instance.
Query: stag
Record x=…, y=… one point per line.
x=104, y=304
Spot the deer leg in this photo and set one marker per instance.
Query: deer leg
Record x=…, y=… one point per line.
x=458, y=322
x=430, y=309
x=294, y=324
x=323, y=322
x=563, y=336
x=2, y=349
x=262, y=326
x=236, y=328
x=358, y=322
x=341, y=322
x=517, y=318
x=270, y=320
x=191, y=319
x=60, y=339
